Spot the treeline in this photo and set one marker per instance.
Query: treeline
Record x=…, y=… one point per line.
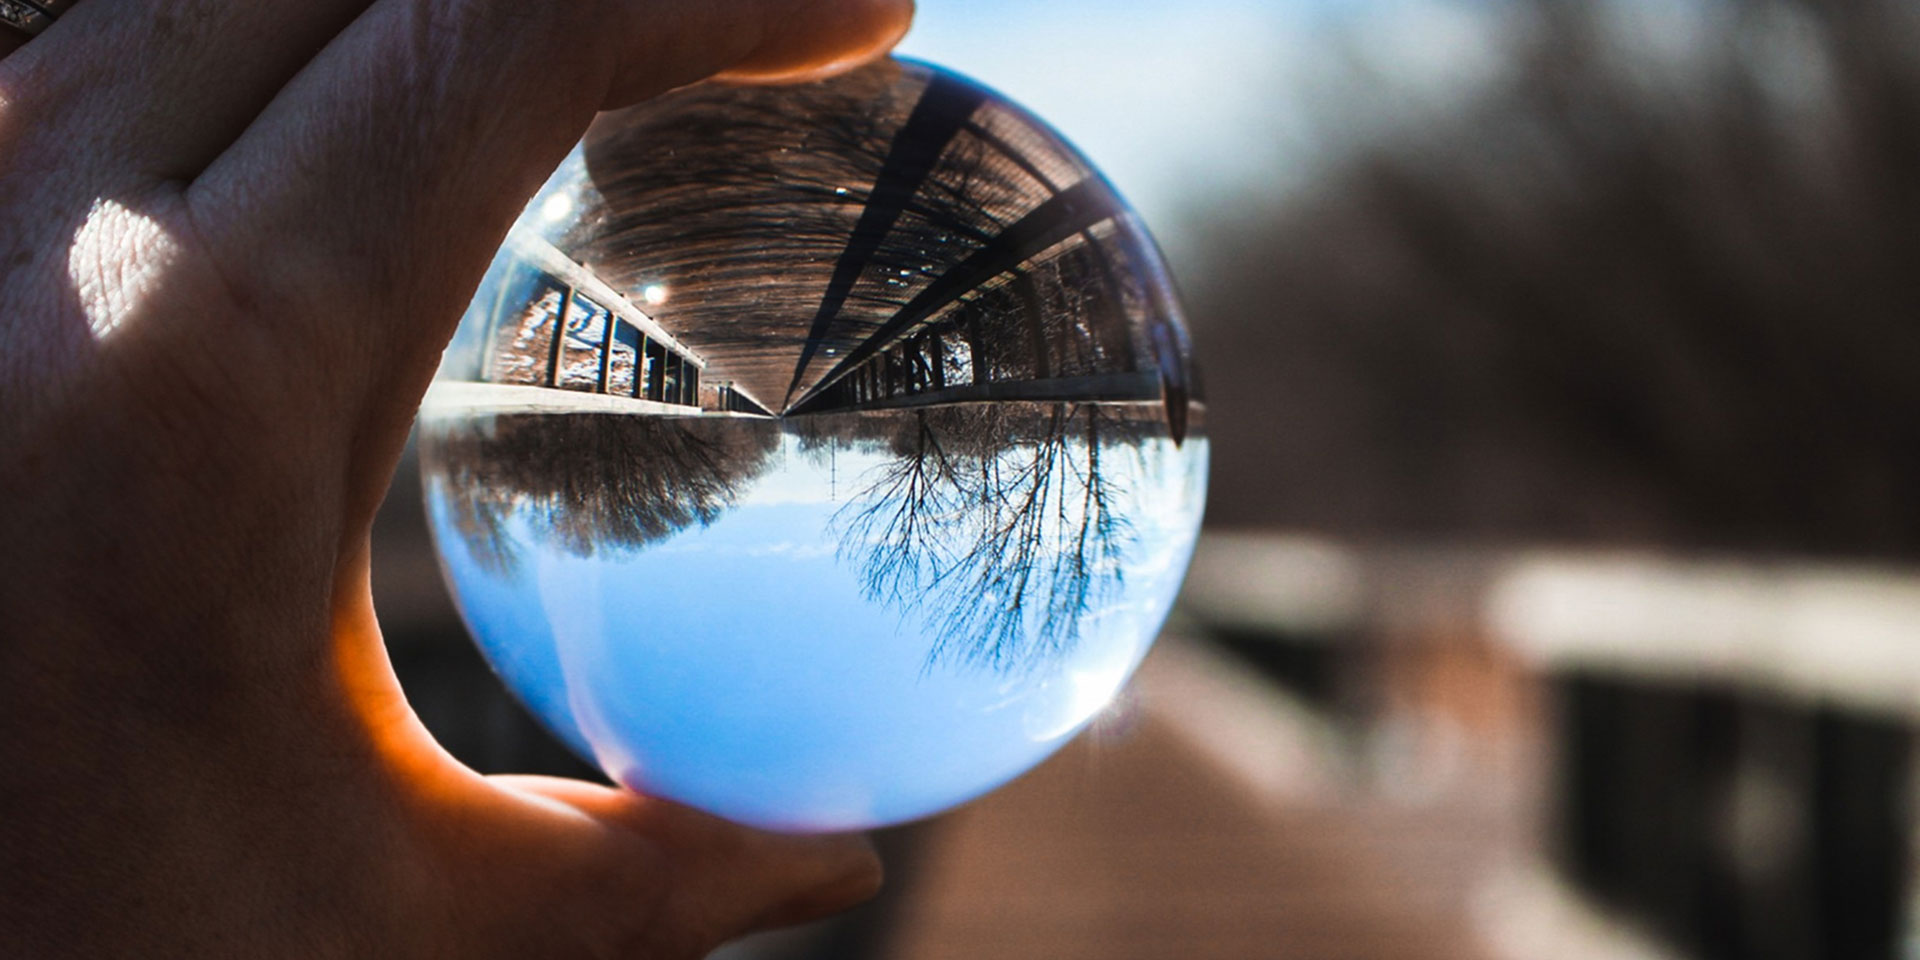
x=1631, y=290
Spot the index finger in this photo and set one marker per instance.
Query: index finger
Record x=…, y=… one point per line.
x=391, y=167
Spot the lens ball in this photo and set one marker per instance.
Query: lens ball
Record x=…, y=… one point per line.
x=819, y=456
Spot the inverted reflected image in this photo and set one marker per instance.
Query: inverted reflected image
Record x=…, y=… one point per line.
x=820, y=456
x=820, y=603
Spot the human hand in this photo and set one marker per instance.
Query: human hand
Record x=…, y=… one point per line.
x=237, y=236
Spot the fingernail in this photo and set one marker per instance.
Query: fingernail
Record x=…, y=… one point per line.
x=851, y=889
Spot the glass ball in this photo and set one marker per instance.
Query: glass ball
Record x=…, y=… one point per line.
x=819, y=456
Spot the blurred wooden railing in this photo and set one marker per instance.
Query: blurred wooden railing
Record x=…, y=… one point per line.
x=1716, y=749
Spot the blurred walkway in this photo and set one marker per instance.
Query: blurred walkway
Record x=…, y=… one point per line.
x=1187, y=838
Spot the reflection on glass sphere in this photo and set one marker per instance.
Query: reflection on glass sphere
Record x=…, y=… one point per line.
x=819, y=456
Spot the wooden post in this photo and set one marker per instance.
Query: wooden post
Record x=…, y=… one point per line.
x=606, y=349
x=559, y=335
x=1035, y=309
x=975, y=351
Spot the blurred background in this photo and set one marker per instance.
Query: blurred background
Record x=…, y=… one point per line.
x=1558, y=594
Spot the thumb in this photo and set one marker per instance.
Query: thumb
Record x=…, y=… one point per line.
x=707, y=880
x=550, y=867
x=417, y=141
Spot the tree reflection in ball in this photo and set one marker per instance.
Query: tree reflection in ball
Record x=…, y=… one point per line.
x=819, y=456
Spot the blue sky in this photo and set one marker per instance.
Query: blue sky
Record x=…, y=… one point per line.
x=1159, y=95
x=1187, y=105
x=737, y=667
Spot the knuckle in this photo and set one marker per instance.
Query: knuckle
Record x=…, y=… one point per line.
x=507, y=30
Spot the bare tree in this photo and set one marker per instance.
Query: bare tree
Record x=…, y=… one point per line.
x=995, y=525
x=1623, y=293
x=590, y=482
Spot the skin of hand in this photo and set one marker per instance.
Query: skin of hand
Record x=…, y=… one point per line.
x=236, y=237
